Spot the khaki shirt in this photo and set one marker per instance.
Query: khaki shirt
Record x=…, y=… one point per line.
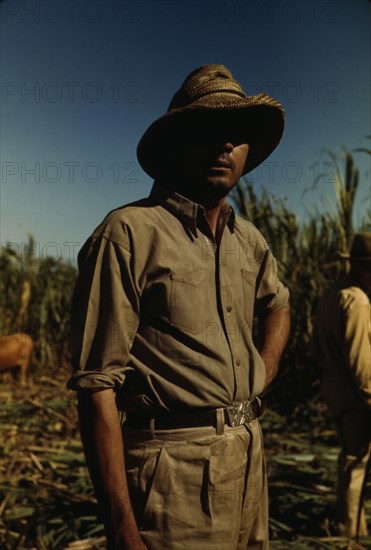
x=341, y=344
x=164, y=314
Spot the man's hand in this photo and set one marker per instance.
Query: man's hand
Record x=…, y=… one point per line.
x=125, y=536
x=276, y=329
x=123, y=541
x=102, y=439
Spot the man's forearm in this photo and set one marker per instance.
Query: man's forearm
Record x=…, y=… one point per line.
x=104, y=450
x=276, y=328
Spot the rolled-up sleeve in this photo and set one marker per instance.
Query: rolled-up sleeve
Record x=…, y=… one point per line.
x=271, y=293
x=104, y=315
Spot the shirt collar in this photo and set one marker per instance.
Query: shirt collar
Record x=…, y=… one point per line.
x=186, y=210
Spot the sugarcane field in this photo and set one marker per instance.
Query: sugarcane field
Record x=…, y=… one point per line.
x=47, y=500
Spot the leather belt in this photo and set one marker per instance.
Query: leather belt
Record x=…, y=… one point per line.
x=235, y=415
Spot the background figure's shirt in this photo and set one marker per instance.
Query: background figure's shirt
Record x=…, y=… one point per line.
x=341, y=344
x=164, y=313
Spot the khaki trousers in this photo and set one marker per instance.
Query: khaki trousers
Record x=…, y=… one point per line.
x=192, y=489
x=354, y=430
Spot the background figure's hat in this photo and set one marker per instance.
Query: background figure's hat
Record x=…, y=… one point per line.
x=211, y=101
x=361, y=247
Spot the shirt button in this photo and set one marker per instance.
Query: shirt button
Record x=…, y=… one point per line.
x=229, y=308
x=238, y=362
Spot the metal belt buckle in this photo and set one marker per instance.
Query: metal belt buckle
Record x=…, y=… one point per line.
x=239, y=414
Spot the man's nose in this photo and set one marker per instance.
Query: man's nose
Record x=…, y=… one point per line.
x=225, y=147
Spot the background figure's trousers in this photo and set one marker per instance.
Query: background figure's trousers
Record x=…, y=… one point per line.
x=354, y=429
x=194, y=490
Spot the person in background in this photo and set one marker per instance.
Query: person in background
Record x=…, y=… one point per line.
x=341, y=346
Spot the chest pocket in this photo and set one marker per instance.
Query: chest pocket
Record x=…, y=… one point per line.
x=248, y=282
x=187, y=300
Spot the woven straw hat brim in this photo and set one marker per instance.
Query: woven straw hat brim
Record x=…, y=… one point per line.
x=260, y=122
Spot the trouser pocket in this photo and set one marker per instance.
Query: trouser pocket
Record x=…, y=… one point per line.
x=178, y=498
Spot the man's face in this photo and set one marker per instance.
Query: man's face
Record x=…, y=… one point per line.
x=210, y=166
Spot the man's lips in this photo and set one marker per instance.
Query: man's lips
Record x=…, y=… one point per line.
x=221, y=163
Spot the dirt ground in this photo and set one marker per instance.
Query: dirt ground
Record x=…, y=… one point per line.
x=47, y=501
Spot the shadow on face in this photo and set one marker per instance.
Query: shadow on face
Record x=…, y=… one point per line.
x=199, y=140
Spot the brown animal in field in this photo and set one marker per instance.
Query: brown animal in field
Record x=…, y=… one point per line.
x=15, y=351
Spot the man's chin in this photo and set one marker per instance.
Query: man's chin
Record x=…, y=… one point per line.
x=218, y=184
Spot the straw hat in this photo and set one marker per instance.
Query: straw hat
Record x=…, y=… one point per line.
x=209, y=103
x=361, y=248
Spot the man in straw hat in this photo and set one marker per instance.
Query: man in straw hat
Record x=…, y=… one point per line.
x=162, y=332
x=341, y=345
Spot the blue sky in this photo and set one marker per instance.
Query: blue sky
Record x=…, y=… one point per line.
x=82, y=80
